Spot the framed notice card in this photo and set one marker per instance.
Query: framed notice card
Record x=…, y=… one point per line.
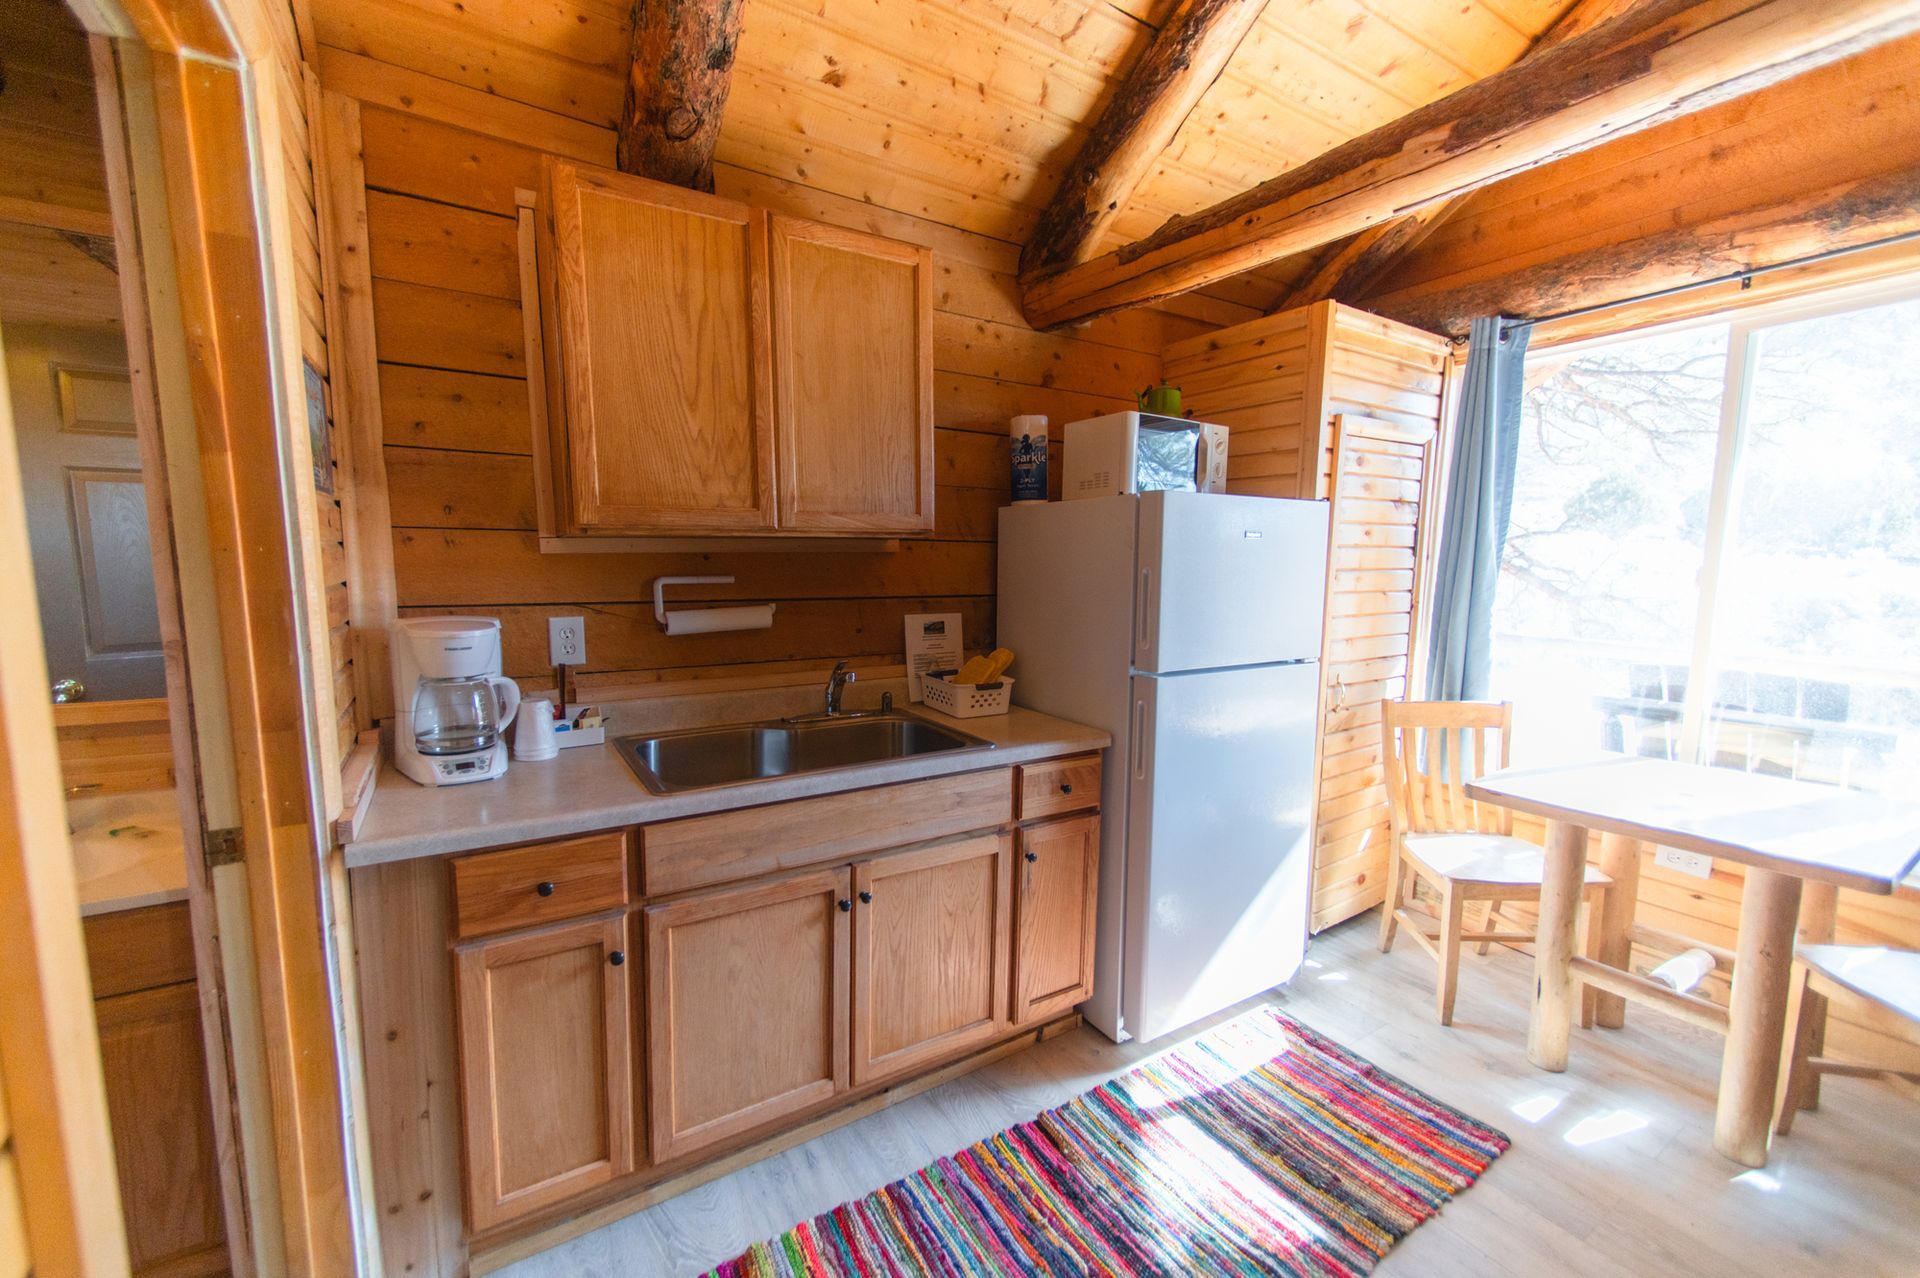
x=933, y=643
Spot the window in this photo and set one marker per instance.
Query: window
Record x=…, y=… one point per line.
x=1714, y=553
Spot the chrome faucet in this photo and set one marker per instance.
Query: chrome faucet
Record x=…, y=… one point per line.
x=837, y=685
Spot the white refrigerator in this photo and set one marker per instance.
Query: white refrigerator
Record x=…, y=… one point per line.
x=1188, y=626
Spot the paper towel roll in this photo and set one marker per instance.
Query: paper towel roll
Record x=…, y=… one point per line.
x=1684, y=970
x=701, y=621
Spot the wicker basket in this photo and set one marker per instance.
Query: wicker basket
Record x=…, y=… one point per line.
x=966, y=701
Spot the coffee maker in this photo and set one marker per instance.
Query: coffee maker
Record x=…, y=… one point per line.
x=451, y=703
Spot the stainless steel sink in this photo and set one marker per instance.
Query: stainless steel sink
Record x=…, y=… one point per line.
x=703, y=758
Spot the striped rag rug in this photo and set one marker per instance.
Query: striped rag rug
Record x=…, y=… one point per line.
x=1259, y=1148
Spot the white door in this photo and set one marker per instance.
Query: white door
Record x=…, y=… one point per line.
x=1228, y=581
x=1219, y=842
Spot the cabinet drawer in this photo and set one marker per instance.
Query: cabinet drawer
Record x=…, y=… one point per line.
x=1059, y=785
x=702, y=851
x=544, y=883
x=141, y=949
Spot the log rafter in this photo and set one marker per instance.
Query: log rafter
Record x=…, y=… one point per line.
x=678, y=78
x=1158, y=94
x=1659, y=60
x=1343, y=271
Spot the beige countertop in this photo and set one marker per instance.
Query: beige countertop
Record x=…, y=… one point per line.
x=127, y=850
x=589, y=788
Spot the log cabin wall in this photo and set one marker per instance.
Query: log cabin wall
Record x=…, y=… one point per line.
x=1328, y=402
x=443, y=155
x=286, y=76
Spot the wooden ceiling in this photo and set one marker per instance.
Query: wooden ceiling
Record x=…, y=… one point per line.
x=966, y=111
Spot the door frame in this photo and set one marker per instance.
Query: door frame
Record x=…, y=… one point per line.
x=191, y=145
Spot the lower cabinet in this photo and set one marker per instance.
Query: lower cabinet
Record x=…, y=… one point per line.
x=155, y=1063
x=1056, y=892
x=850, y=952
x=747, y=1004
x=546, y=1064
x=930, y=950
x=154, y=1059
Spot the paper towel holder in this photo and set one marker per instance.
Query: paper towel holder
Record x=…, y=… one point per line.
x=759, y=621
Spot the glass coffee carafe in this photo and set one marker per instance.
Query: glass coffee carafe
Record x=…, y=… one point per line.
x=462, y=715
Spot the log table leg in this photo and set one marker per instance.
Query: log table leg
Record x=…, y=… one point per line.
x=1819, y=913
x=1620, y=860
x=1553, y=987
x=1762, y=969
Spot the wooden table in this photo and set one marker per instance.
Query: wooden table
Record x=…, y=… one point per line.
x=1786, y=833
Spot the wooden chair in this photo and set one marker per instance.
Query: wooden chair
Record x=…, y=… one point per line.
x=1879, y=985
x=1465, y=852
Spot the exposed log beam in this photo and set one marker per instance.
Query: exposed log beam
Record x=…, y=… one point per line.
x=1158, y=94
x=677, y=83
x=1846, y=215
x=1662, y=59
x=1344, y=270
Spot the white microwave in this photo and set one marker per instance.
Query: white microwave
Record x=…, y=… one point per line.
x=1143, y=453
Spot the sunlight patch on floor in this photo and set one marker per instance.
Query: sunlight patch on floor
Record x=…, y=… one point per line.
x=1598, y=1127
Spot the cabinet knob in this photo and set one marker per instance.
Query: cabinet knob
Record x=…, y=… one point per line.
x=617, y=957
x=544, y=888
x=1066, y=788
x=1033, y=856
x=866, y=898
x=845, y=905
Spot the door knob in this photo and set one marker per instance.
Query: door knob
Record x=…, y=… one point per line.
x=866, y=898
x=1033, y=856
x=845, y=905
x=617, y=957
x=66, y=690
x=544, y=888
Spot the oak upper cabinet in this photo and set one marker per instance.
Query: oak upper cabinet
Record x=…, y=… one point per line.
x=713, y=369
x=660, y=387
x=546, y=1064
x=747, y=994
x=1056, y=891
x=931, y=935
x=853, y=379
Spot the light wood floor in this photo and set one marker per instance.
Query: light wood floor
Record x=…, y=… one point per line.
x=1612, y=1170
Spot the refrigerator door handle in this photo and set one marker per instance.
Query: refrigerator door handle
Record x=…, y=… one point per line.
x=1138, y=741
x=1143, y=643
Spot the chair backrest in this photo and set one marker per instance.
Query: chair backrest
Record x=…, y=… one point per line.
x=1430, y=750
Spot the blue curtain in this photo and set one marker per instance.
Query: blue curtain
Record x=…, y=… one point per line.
x=1479, y=502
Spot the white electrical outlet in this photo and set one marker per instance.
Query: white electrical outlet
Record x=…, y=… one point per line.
x=567, y=641
x=1699, y=865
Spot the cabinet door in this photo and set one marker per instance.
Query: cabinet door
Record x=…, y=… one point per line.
x=155, y=1063
x=1056, y=889
x=931, y=931
x=546, y=1065
x=853, y=361
x=746, y=1008
x=659, y=314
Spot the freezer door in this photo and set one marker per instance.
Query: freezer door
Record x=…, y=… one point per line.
x=1228, y=581
x=1218, y=847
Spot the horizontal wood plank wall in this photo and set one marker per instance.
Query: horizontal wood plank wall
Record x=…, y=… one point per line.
x=115, y=746
x=284, y=77
x=453, y=392
x=1280, y=383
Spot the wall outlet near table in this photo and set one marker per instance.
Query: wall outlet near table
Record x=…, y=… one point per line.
x=567, y=641
x=1699, y=865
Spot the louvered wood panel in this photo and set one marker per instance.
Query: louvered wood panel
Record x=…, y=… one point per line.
x=1351, y=823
